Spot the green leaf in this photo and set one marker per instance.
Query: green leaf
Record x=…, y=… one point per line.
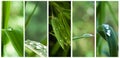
x=101, y=12
x=82, y=36
x=109, y=35
x=15, y=38
x=5, y=13
x=36, y=47
x=62, y=32
x=12, y=28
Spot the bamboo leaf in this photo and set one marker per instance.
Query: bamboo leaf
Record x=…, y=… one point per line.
x=83, y=36
x=36, y=47
x=109, y=35
x=11, y=35
x=5, y=13
x=61, y=33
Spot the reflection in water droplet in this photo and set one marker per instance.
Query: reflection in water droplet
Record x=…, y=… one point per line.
x=31, y=43
x=37, y=43
x=9, y=29
x=87, y=35
x=38, y=47
x=106, y=26
x=108, y=32
x=44, y=47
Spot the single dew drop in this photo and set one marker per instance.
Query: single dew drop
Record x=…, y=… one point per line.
x=44, y=47
x=9, y=29
x=87, y=35
x=38, y=47
x=108, y=32
x=106, y=26
x=31, y=43
x=37, y=43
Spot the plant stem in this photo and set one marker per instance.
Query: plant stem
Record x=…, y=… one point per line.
x=28, y=20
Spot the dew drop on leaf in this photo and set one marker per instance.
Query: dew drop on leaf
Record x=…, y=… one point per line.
x=31, y=43
x=107, y=29
x=106, y=26
x=9, y=29
x=108, y=32
x=38, y=47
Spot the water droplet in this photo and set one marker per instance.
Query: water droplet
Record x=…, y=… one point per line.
x=38, y=47
x=106, y=26
x=9, y=29
x=108, y=32
x=37, y=44
x=31, y=43
x=44, y=47
x=87, y=35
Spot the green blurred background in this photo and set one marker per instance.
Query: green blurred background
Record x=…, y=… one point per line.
x=83, y=23
x=110, y=18
x=37, y=27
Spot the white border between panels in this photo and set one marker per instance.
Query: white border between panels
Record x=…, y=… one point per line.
x=118, y=28
x=47, y=29
x=95, y=28
x=71, y=27
x=23, y=28
x=0, y=24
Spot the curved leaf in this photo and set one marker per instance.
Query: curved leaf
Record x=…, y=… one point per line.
x=109, y=35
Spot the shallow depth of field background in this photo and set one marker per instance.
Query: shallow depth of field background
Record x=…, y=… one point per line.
x=83, y=23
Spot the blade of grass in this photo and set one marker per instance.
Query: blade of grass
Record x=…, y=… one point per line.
x=83, y=36
x=5, y=13
x=29, y=17
x=5, y=18
x=109, y=35
x=12, y=37
x=55, y=48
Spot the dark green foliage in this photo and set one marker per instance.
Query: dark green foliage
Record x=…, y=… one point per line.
x=60, y=24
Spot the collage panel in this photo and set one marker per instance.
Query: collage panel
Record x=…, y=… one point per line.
x=54, y=28
x=83, y=29
x=35, y=28
x=107, y=29
x=12, y=40
x=59, y=29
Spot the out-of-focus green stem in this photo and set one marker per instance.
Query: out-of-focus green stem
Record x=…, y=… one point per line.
x=28, y=20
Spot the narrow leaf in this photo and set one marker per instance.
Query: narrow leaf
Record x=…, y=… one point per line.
x=109, y=35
